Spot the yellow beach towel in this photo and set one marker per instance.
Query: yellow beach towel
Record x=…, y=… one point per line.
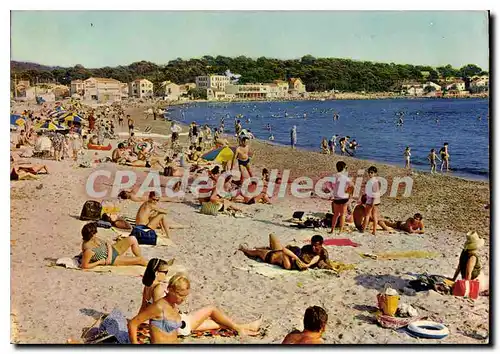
x=400, y=254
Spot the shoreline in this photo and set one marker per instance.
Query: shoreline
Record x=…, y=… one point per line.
x=47, y=229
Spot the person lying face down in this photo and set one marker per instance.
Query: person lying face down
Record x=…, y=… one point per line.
x=315, y=319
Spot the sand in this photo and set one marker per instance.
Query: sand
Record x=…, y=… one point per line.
x=52, y=304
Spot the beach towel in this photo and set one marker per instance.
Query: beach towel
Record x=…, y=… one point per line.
x=400, y=254
x=273, y=271
x=74, y=263
x=337, y=242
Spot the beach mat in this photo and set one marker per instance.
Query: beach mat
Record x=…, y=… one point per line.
x=400, y=255
x=273, y=271
x=337, y=242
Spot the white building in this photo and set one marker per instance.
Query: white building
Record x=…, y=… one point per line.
x=78, y=87
x=170, y=91
x=216, y=82
x=416, y=90
x=457, y=84
x=140, y=88
x=432, y=84
x=296, y=86
x=482, y=81
x=102, y=90
x=215, y=95
x=251, y=91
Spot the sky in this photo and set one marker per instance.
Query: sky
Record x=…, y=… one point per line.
x=67, y=38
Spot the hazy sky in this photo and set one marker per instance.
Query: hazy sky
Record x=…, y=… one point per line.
x=66, y=38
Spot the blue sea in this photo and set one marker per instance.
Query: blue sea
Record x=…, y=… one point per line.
x=428, y=123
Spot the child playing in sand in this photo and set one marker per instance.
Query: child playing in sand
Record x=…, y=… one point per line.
x=432, y=159
x=373, y=200
x=407, y=155
x=315, y=319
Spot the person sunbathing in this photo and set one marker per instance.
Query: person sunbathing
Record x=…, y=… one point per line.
x=154, y=276
x=167, y=323
x=24, y=171
x=96, y=252
x=412, y=225
x=315, y=319
x=134, y=195
x=149, y=214
x=171, y=170
x=288, y=257
x=262, y=197
x=116, y=221
x=358, y=216
x=148, y=162
x=119, y=153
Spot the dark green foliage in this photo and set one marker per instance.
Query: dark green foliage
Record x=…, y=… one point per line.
x=318, y=74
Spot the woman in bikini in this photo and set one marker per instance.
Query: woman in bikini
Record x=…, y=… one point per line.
x=166, y=322
x=26, y=171
x=96, y=252
x=286, y=257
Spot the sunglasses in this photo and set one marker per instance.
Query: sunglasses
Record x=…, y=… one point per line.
x=162, y=271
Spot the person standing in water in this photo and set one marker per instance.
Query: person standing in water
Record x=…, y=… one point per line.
x=432, y=159
x=407, y=155
x=333, y=143
x=335, y=116
x=293, y=137
x=445, y=157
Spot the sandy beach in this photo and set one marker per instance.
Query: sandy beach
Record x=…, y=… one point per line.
x=52, y=304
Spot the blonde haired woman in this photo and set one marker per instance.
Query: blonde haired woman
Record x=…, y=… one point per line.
x=166, y=322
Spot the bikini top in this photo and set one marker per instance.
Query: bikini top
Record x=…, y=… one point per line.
x=165, y=325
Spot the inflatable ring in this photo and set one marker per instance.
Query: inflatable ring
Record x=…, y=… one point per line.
x=428, y=329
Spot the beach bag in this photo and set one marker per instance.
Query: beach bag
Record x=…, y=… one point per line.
x=91, y=210
x=298, y=215
x=466, y=288
x=144, y=235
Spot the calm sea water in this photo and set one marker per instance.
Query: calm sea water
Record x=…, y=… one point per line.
x=428, y=123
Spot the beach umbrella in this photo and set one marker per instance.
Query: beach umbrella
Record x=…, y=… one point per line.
x=48, y=125
x=16, y=119
x=73, y=117
x=223, y=154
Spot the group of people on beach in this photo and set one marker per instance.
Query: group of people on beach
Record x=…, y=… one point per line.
x=160, y=302
x=432, y=157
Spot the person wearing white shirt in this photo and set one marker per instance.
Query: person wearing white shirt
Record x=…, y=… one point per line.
x=340, y=190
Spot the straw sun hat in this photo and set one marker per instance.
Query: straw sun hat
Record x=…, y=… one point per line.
x=473, y=242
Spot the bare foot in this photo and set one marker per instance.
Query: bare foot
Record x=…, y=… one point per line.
x=253, y=326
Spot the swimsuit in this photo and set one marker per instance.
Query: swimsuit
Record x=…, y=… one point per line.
x=243, y=163
x=340, y=201
x=165, y=325
x=101, y=252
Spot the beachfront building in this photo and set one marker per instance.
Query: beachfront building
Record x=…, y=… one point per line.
x=215, y=95
x=482, y=81
x=77, y=87
x=140, y=88
x=169, y=91
x=455, y=85
x=296, y=87
x=278, y=89
x=413, y=90
x=250, y=91
x=124, y=90
x=432, y=84
x=102, y=89
x=216, y=82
